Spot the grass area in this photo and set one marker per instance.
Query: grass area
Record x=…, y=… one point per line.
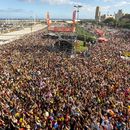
x=82, y=31
x=84, y=35
x=79, y=47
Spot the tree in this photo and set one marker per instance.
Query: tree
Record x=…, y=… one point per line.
x=110, y=21
x=126, y=16
x=125, y=21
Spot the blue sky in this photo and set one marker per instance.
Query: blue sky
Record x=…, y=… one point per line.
x=59, y=8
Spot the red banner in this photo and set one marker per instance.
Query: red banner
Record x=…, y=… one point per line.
x=48, y=19
x=74, y=17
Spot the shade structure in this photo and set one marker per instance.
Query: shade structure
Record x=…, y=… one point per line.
x=99, y=32
x=102, y=39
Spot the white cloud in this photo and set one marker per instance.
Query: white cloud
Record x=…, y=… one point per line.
x=122, y=3
x=107, y=0
x=54, y=2
x=30, y=1
x=12, y=10
x=87, y=8
x=104, y=8
x=57, y=1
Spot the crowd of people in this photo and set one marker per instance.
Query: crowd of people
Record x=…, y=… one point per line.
x=41, y=89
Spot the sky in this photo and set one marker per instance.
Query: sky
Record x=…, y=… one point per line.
x=59, y=8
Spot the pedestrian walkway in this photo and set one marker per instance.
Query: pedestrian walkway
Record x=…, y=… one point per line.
x=11, y=36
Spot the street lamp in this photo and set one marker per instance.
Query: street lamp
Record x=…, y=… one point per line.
x=78, y=7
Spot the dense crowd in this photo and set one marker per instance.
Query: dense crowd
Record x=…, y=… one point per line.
x=41, y=89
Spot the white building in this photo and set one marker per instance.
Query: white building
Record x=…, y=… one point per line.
x=103, y=17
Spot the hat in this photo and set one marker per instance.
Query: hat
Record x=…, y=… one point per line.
x=17, y=114
x=21, y=120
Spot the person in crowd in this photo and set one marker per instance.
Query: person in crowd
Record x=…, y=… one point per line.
x=44, y=90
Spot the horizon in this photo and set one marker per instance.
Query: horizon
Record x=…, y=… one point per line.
x=42, y=19
x=59, y=9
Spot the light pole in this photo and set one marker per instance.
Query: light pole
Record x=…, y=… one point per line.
x=78, y=7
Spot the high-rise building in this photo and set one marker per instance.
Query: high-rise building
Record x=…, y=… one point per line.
x=97, y=14
x=119, y=14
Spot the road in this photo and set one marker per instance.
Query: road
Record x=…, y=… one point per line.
x=11, y=36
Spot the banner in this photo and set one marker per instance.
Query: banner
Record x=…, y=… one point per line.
x=74, y=17
x=48, y=19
